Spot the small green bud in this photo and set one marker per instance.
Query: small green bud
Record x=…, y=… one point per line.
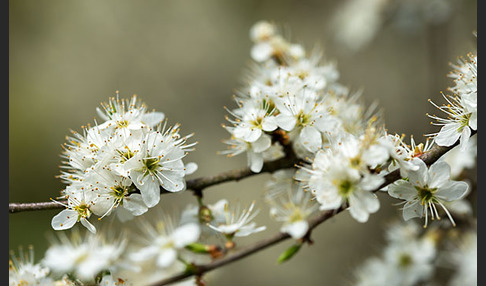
x=287, y=254
x=197, y=247
x=205, y=214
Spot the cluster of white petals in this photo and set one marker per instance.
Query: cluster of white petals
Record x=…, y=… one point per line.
x=234, y=221
x=463, y=260
x=84, y=255
x=289, y=203
x=407, y=259
x=348, y=171
x=288, y=99
x=291, y=106
x=161, y=242
x=462, y=107
x=121, y=164
x=427, y=188
x=22, y=270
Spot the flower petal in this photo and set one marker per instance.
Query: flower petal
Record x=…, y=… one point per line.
x=402, y=190
x=186, y=234
x=64, y=220
x=286, y=122
x=448, y=134
x=439, y=174
x=153, y=118
x=452, y=191
x=297, y=229
x=134, y=203
x=311, y=138
x=412, y=209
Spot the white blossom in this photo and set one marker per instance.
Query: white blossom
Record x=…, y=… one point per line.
x=340, y=174
x=459, y=124
x=461, y=160
x=121, y=164
x=461, y=109
x=463, y=259
x=289, y=203
x=84, y=255
x=158, y=163
x=236, y=222
x=426, y=188
x=162, y=242
x=22, y=270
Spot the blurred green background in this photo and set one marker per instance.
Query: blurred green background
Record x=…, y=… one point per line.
x=185, y=58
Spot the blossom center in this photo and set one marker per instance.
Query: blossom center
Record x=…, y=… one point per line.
x=464, y=122
x=151, y=164
x=425, y=194
x=83, y=210
x=257, y=122
x=296, y=216
x=404, y=260
x=125, y=156
x=303, y=118
x=122, y=123
x=345, y=188
x=119, y=192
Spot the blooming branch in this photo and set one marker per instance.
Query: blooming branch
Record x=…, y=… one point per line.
x=196, y=184
x=429, y=158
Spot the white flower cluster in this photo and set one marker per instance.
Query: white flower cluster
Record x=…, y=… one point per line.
x=287, y=101
x=143, y=252
x=108, y=259
x=23, y=271
x=121, y=164
x=407, y=259
x=292, y=103
x=350, y=169
x=462, y=108
x=414, y=256
x=292, y=107
x=463, y=260
x=84, y=256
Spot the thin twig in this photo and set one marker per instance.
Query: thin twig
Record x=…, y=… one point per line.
x=196, y=184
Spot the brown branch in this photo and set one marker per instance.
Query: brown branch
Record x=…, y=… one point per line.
x=196, y=185
x=20, y=207
x=260, y=245
x=197, y=270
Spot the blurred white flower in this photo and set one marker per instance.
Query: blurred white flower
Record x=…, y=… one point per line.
x=162, y=241
x=407, y=259
x=23, y=271
x=84, y=256
x=463, y=259
x=289, y=203
x=236, y=222
x=412, y=261
x=356, y=22
x=460, y=160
